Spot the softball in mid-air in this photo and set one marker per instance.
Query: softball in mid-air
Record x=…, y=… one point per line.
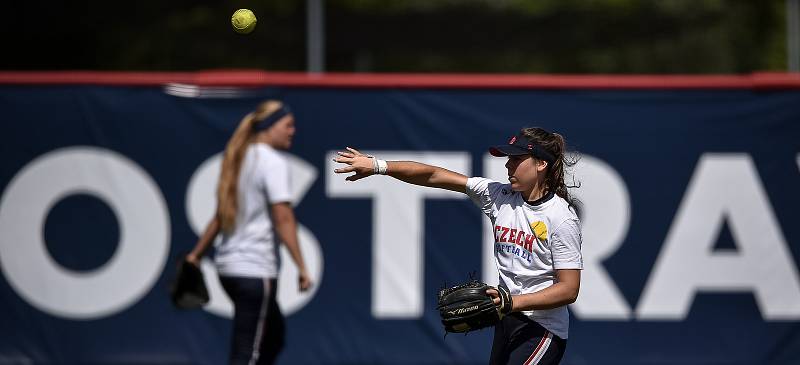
x=243, y=21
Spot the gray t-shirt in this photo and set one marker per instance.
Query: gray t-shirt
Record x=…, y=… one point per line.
x=531, y=243
x=251, y=249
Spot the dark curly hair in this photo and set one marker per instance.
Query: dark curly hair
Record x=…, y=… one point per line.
x=556, y=145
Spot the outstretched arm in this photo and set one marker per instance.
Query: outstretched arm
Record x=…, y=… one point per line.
x=408, y=171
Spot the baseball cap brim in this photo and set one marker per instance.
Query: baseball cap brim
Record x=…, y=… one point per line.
x=508, y=150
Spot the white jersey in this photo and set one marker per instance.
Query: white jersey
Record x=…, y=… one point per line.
x=251, y=249
x=531, y=243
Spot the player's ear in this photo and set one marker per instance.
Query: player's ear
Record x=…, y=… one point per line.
x=540, y=165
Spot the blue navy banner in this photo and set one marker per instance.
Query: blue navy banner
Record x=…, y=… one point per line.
x=688, y=200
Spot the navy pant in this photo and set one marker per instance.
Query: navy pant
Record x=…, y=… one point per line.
x=258, y=327
x=519, y=340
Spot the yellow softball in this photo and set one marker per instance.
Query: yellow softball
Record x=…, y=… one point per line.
x=243, y=21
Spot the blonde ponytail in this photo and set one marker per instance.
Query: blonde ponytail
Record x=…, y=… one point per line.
x=227, y=190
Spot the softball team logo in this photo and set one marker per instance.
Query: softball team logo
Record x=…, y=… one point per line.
x=539, y=230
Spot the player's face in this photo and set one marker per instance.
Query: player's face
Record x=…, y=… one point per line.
x=523, y=172
x=282, y=132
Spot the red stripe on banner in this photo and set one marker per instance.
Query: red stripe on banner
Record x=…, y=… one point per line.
x=538, y=347
x=258, y=78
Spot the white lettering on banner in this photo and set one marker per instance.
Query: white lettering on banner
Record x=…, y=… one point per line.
x=144, y=233
x=724, y=187
x=605, y=218
x=200, y=207
x=397, y=220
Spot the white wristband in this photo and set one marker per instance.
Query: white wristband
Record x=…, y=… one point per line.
x=381, y=166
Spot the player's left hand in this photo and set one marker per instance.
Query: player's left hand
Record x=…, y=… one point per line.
x=363, y=165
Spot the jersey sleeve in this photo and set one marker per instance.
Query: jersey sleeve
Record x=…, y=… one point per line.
x=566, y=245
x=274, y=172
x=483, y=192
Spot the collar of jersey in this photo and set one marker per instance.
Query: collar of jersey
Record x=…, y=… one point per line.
x=541, y=200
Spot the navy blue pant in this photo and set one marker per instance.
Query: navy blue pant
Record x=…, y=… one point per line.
x=519, y=340
x=258, y=327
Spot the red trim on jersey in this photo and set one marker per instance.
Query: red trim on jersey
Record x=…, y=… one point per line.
x=259, y=78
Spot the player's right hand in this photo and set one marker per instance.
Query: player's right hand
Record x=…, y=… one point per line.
x=192, y=259
x=363, y=165
x=304, y=280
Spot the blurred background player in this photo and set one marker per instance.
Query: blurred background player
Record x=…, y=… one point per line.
x=254, y=213
x=537, y=237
